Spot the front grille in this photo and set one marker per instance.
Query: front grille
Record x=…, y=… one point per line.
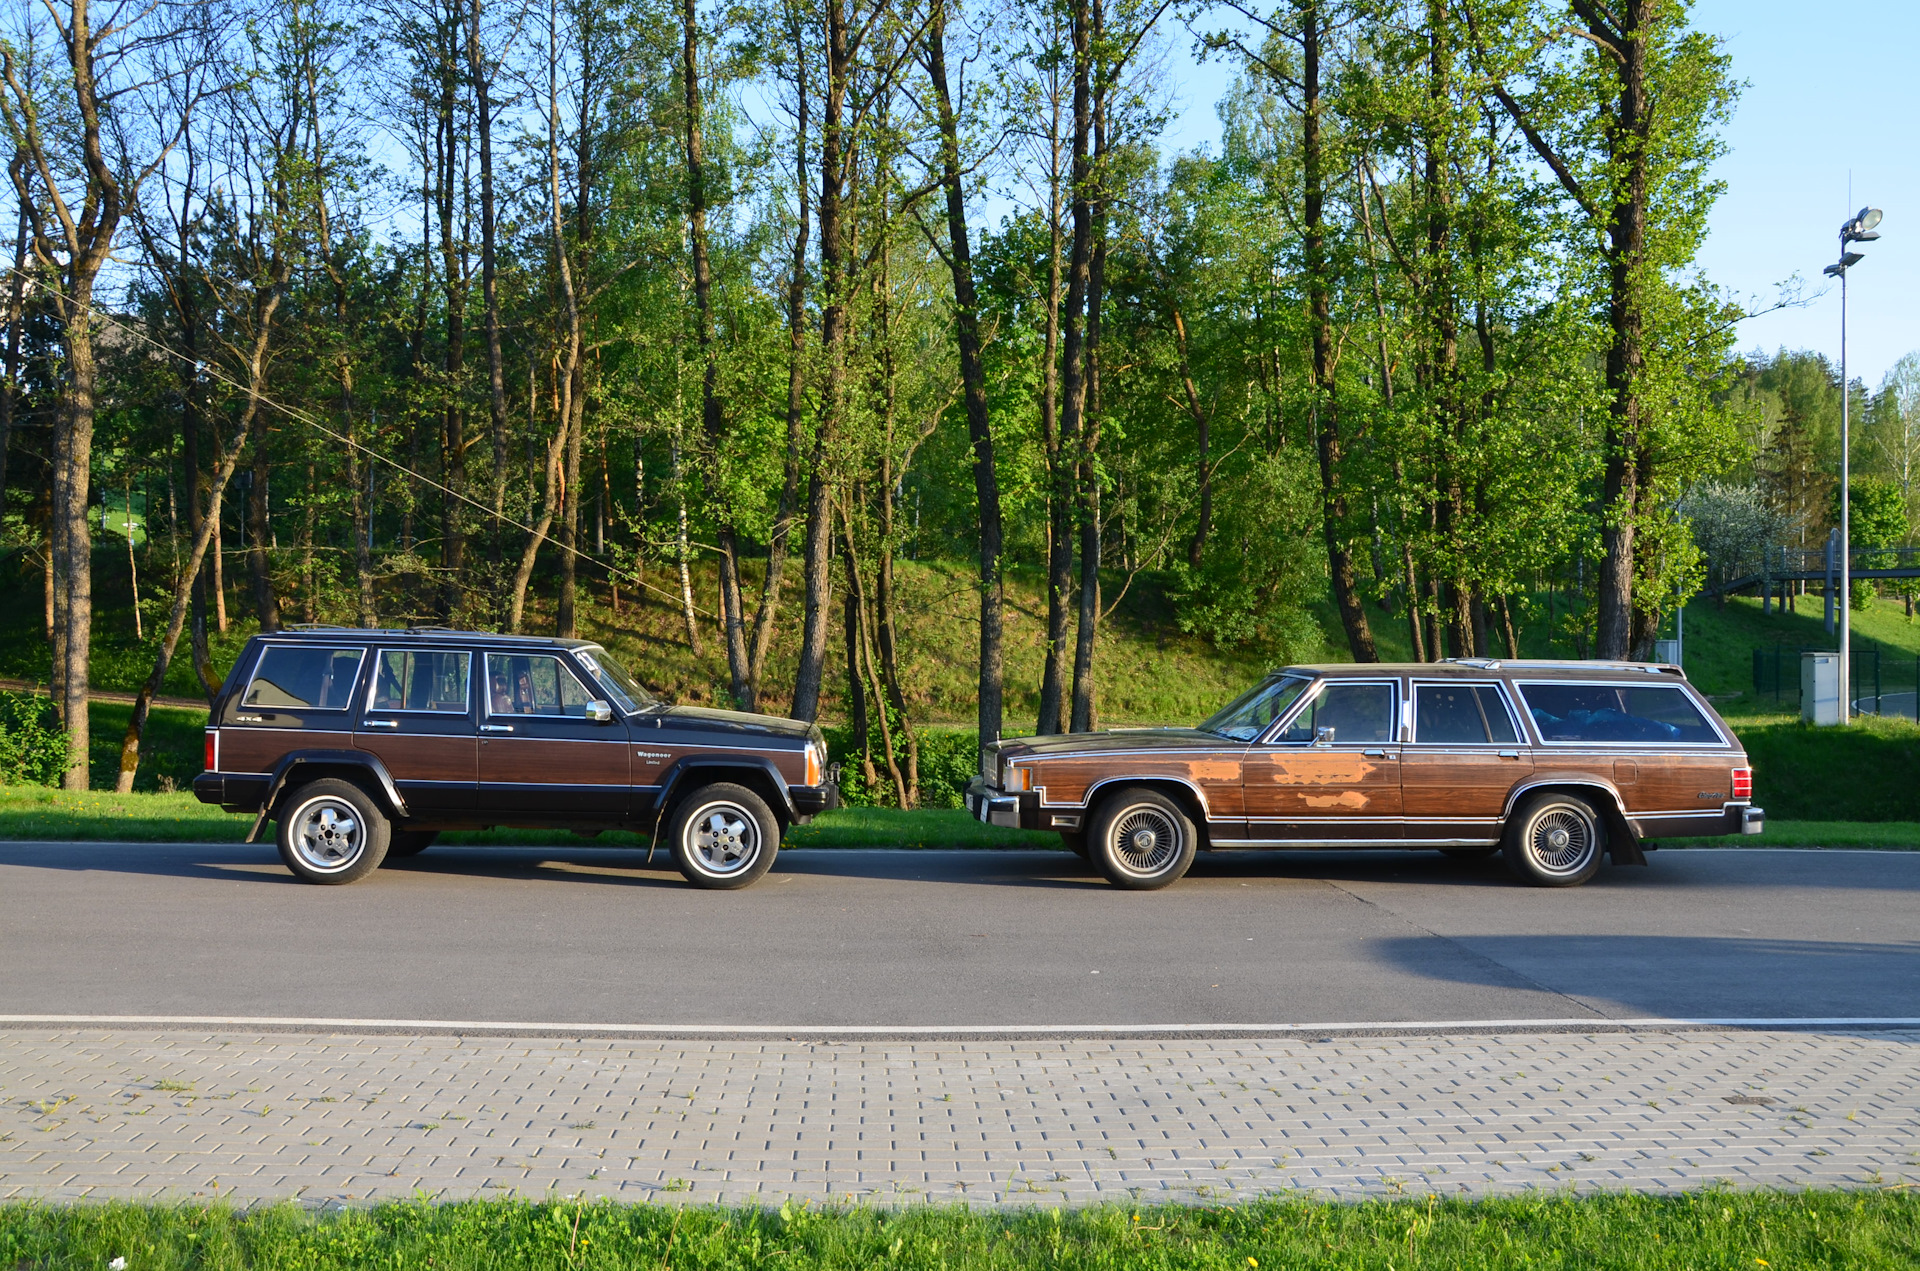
x=990, y=764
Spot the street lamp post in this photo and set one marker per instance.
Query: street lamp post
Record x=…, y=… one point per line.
x=1858, y=229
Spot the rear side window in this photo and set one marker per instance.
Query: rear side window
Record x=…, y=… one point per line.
x=1647, y=713
x=304, y=678
x=1461, y=715
x=410, y=680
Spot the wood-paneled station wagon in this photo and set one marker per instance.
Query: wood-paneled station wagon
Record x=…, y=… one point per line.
x=1555, y=764
x=366, y=744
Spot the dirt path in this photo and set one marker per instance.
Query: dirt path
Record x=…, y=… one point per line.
x=105, y=695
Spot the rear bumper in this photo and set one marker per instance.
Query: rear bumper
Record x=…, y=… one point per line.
x=1748, y=820
x=234, y=791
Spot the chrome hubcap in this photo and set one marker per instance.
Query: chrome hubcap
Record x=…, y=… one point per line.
x=724, y=837
x=328, y=834
x=1146, y=840
x=1561, y=841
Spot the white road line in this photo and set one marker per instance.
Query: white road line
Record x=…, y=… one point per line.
x=431, y=1026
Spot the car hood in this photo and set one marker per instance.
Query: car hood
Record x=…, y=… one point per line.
x=1121, y=739
x=708, y=719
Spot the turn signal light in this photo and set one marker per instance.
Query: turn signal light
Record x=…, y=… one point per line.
x=1743, y=783
x=813, y=765
x=213, y=751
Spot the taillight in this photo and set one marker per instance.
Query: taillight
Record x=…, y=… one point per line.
x=1743, y=783
x=213, y=751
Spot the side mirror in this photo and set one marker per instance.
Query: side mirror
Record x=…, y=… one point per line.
x=1323, y=736
x=599, y=712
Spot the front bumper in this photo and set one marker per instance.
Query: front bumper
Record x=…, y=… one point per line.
x=809, y=801
x=991, y=806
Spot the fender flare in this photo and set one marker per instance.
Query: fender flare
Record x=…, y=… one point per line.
x=676, y=778
x=288, y=769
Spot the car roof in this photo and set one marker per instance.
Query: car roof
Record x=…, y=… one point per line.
x=1480, y=668
x=321, y=633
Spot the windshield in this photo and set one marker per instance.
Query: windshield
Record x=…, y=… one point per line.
x=619, y=683
x=1254, y=711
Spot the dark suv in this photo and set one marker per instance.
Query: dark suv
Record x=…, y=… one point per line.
x=366, y=744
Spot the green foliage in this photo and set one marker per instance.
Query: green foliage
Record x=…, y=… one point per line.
x=34, y=750
x=1862, y=1230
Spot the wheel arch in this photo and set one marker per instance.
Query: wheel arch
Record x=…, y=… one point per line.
x=1623, y=845
x=1184, y=793
x=358, y=766
x=755, y=773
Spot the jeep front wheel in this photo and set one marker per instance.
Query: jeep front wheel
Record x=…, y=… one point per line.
x=724, y=836
x=1141, y=840
x=331, y=832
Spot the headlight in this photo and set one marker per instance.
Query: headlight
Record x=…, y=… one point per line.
x=813, y=765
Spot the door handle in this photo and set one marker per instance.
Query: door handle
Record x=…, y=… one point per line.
x=1509, y=754
x=1374, y=754
x=379, y=723
x=496, y=728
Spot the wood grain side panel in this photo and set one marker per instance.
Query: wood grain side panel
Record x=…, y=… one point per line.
x=547, y=761
x=1459, y=783
x=1299, y=783
x=260, y=749
x=1677, y=782
x=1217, y=777
x=424, y=757
x=652, y=758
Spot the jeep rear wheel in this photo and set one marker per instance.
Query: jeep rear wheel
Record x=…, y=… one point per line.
x=724, y=836
x=1141, y=840
x=1555, y=840
x=331, y=832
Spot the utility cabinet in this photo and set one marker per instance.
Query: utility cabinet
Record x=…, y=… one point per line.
x=1820, y=688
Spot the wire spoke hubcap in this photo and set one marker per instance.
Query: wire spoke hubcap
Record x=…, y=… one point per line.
x=1145, y=840
x=1560, y=841
x=328, y=834
x=725, y=838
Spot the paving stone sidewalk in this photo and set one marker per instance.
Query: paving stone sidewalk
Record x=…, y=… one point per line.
x=350, y=1119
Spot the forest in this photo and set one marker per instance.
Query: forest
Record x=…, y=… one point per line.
x=501, y=313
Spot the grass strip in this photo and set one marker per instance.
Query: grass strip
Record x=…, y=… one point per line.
x=38, y=813
x=1866, y=1230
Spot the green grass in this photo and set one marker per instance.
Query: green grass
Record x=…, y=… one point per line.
x=37, y=813
x=1863, y=1231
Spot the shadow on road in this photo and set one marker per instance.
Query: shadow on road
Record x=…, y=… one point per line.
x=1686, y=976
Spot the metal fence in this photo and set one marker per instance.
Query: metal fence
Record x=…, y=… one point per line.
x=1885, y=681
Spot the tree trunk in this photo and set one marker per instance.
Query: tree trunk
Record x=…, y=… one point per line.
x=973, y=377
x=833, y=339
x=481, y=76
x=1073, y=406
x=712, y=410
x=1328, y=441
x=266, y=604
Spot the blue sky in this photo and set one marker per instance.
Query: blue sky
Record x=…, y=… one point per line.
x=1824, y=105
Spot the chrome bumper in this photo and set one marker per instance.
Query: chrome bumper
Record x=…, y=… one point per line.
x=991, y=807
x=1753, y=820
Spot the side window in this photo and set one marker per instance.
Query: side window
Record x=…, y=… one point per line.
x=406, y=680
x=304, y=678
x=1461, y=715
x=1357, y=713
x=1656, y=713
x=534, y=684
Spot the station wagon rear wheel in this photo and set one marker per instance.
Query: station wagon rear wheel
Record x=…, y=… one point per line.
x=331, y=832
x=1555, y=840
x=724, y=836
x=1141, y=840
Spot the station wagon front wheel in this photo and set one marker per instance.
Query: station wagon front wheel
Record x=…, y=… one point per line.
x=724, y=836
x=331, y=832
x=1142, y=840
x=1555, y=840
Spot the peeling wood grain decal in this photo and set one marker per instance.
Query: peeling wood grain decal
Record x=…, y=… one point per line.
x=1320, y=770
x=1352, y=800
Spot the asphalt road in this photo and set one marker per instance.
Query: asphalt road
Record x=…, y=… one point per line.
x=912, y=939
